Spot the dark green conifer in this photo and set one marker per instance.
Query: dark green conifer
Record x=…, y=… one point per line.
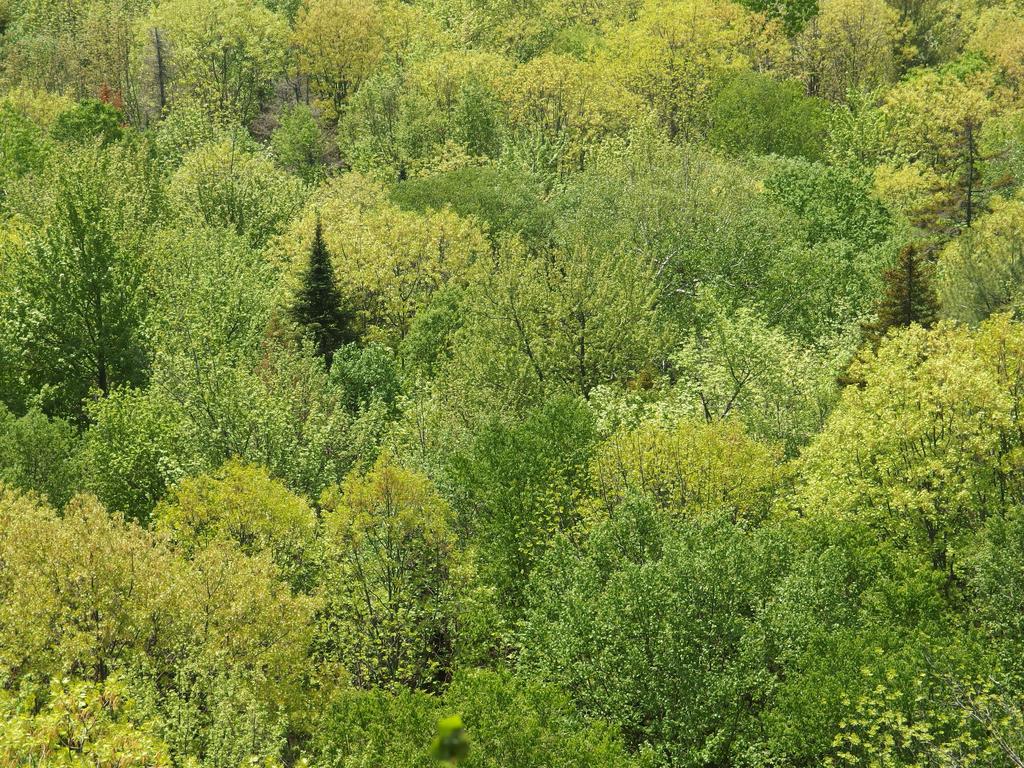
x=909, y=295
x=319, y=308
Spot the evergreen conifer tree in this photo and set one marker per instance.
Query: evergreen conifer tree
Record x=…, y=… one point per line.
x=909, y=295
x=319, y=307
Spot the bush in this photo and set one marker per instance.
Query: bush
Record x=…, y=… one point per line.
x=509, y=722
x=243, y=504
x=758, y=114
x=298, y=145
x=90, y=120
x=648, y=623
x=39, y=454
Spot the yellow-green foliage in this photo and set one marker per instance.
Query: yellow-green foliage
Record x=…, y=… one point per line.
x=243, y=504
x=999, y=36
x=925, y=115
x=696, y=469
x=66, y=583
x=670, y=56
x=930, y=446
x=595, y=412
x=41, y=106
x=562, y=105
x=848, y=47
x=226, y=184
x=388, y=261
x=227, y=55
x=883, y=730
x=339, y=44
x=79, y=724
x=390, y=548
x=86, y=595
x=980, y=272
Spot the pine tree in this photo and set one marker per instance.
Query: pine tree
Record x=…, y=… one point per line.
x=318, y=306
x=909, y=295
x=969, y=187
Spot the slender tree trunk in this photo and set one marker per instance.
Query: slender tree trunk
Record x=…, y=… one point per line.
x=161, y=74
x=102, y=378
x=969, y=136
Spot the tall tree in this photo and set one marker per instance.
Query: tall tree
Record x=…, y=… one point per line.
x=967, y=188
x=338, y=44
x=935, y=127
x=226, y=55
x=80, y=305
x=391, y=550
x=909, y=295
x=318, y=306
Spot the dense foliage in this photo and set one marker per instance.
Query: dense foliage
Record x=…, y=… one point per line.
x=512, y=384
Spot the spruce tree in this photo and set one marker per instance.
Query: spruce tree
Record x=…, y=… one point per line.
x=319, y=307
x=909, y=295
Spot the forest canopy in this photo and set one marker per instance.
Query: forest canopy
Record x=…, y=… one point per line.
x=538, y=384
